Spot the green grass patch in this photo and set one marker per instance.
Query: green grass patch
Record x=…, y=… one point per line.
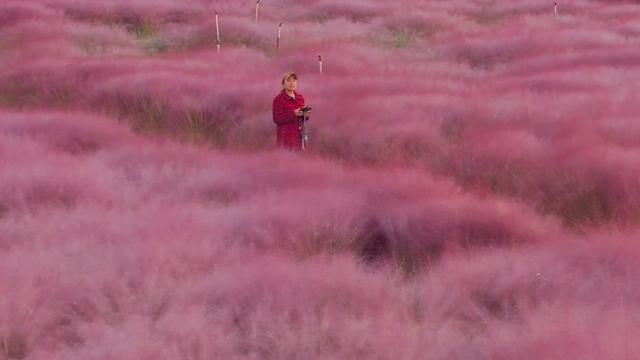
x=399, y=37
x=156, y=46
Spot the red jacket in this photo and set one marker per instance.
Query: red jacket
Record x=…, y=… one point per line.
x=288, y=133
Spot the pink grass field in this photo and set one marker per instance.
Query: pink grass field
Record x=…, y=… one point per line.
x=472, y=188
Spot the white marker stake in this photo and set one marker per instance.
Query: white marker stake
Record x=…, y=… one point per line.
x=257, y=9
x=320, y=62
x=217, y=33
x=555, y=9
x=279, y=35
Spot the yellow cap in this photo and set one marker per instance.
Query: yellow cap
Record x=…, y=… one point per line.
x=289, y=74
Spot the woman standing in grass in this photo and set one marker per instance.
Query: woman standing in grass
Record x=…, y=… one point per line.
x=287, y=113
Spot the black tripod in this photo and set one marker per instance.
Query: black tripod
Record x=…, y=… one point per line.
x=302, y=127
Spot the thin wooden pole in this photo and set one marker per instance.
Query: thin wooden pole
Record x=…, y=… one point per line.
x=279, y=36
x=257, y=9
x=217, y=33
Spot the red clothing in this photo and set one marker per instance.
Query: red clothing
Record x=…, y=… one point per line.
x=288, y=131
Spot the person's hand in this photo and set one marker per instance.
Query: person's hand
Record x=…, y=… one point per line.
x=298, y=112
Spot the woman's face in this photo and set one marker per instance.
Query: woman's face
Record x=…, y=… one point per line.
x=291, y=84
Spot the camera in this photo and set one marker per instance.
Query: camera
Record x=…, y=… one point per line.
x=306, y=108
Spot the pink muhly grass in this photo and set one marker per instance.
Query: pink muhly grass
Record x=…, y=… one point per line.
x=471, y=189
